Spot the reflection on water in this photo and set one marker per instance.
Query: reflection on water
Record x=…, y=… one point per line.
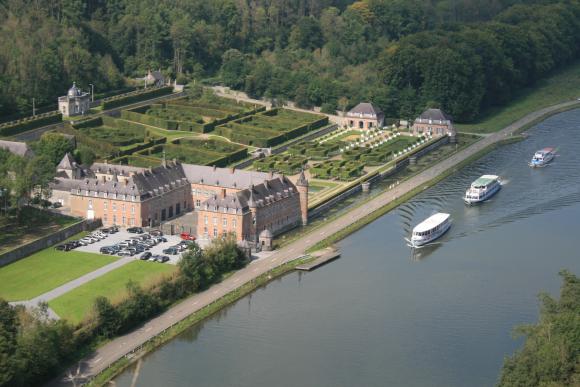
x=384, y=314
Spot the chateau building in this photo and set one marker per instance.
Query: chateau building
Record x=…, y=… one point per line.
x=434, y=122
x=223, y=200
x=364, y=116
x=75, y=102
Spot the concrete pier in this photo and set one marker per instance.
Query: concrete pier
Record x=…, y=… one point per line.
x=322, y=258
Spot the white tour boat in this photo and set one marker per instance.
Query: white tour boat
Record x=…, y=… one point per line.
x=482, y=189
x=430, y=229
x=542, y=157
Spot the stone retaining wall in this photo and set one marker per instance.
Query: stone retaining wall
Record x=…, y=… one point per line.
x=47, y=241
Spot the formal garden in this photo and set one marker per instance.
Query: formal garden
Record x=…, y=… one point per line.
x=342, y=155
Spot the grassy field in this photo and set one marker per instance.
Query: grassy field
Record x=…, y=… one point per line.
x=29, y=225
x=76, y=304
x=46, y=270
x=561, y=87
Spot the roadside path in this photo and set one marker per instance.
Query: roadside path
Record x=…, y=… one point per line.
x=99, y=360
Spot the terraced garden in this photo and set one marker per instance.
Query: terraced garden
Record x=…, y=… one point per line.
x=197, y=151
x=271, y=128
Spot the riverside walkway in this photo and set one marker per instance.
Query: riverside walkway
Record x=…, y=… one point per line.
x=103, y=357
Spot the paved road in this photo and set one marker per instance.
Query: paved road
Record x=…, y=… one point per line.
x=114, y=350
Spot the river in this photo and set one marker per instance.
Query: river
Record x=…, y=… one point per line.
x=381, y=315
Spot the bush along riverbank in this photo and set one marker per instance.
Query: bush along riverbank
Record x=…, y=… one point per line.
x=116, y=368
x=551, y=353
x=37, y=347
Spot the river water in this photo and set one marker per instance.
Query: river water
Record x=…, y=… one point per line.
x=381, y=315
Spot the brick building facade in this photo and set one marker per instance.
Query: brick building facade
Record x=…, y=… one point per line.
x=224, y=200
x=434, y=122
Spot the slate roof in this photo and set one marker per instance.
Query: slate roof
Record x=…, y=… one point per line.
x=435, y=115
x=224, y=177
x=259, y=195
x=67, y=162
x=366, y=109
x=17, y=148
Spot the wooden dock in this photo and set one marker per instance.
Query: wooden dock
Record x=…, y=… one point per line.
x=321, y=258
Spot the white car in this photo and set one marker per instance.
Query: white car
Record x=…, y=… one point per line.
x=89, y=240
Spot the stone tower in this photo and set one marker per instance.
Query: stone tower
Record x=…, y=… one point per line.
x=253, y=209
x=302, y=186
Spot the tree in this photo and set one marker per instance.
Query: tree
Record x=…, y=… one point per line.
x=306, y=34
x=8, y=336
x=233, y=70
x=107, y=316
x=54, y=146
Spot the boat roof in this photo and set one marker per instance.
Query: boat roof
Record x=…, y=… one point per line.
x=431, y=222
x=484, y=180
x=546, y=150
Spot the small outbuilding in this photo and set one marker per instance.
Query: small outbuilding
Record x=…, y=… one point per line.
x=265, y=239
x=434, y=122
x=364, y=116
x=75, y=102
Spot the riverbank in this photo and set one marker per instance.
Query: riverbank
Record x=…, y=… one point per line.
x=101, y=359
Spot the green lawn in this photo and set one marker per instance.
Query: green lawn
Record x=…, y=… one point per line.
x=562, y=86
x=76, y=304
x=46, y=270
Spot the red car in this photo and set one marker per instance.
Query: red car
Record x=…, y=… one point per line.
x=187, y=236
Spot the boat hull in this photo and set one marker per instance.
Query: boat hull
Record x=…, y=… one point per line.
x=481, y=199
x=423, y=241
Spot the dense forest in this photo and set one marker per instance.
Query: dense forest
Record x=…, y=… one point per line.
x=462, y=55
x=551, y=353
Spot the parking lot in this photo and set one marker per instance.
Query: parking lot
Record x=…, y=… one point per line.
x=122, y=235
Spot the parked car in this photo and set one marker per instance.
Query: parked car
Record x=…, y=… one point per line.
x=160, y=239
x=63, y=247
x=145, y=256
x=145, y=237
x=113, y=229
x=56, y=205
x=125, y=253
x=156, y=233
x=88, y=240
x=171, y=251
x=187, y=236
x=164, y=259
x=135, y=230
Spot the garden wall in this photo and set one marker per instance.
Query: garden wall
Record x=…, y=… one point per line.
x=15, y=127
x=47, y=241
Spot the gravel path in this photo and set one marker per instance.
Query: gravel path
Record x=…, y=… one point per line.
x=121, y=346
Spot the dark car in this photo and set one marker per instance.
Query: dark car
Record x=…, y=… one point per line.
x=56, y=205
x=164, y=259
x=171, y=251
x=160, y=239
x=62, y=248
x=135, y=230
x=113, y=229
x=156, y=233
x=145, y=256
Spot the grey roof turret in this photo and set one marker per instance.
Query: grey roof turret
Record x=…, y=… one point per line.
x=67, y=162
x=74, y=91
x=302, y=181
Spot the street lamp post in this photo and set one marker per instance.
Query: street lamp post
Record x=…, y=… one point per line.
x=92, y=92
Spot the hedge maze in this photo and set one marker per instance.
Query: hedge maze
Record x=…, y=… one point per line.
x=285, y=163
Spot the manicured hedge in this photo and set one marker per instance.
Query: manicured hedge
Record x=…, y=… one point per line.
x=135, y=96
x=15, y=127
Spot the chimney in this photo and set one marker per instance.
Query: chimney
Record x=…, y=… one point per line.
x=223, y=193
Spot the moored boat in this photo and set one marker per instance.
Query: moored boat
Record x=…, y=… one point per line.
x=542, y=157
x=430, y=229
x=482, y=189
